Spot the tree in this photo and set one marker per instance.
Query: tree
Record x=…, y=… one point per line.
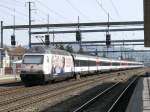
x=56, y=46
x=69, y=48
x=81, y=50
x=61, y=47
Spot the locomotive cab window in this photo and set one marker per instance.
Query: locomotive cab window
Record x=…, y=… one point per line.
x=33, y=59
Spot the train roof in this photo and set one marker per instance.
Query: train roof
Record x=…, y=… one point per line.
x=48, y=50
x=105, y=59
x=39, y=49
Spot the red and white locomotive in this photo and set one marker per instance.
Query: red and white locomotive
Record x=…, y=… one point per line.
x=44, y=64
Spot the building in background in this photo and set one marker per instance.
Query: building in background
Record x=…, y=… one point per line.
x=10, y=57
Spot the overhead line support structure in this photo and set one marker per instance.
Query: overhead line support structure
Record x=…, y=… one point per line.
x=86, y=42
x=119, y=51
x=1, y=44
x=130, y=44
x=90, y=31
x=71, y=25
x=29, y=24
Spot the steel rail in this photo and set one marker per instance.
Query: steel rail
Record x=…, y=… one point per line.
x=47, y=96
x=82, y=107
x=120, y=96
x=50, y=93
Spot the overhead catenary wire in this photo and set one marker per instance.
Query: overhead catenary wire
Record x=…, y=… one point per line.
x=76, y=9
x=21, y=9
x=40, y=18
x=15, y=3
x=115, y=8
x=11, y=6
x=11, y=9
x=54, y=12
x=11, y=14
x=19, y=1
x=6, y=13
x=105, y=11
x=43, y=13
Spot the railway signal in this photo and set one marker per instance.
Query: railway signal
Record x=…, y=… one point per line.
x=47, y=42
x=78, y=36
x=13, y=42
x=108, y=40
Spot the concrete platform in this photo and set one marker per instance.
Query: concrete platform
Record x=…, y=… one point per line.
x=140, y=100
x=9, y=78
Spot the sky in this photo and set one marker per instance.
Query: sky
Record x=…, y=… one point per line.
x=67, y=11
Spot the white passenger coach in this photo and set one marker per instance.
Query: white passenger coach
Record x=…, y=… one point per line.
x=43, y=64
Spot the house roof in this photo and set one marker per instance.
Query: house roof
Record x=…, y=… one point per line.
x=17, y=51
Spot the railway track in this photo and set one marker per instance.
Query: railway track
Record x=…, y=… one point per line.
x=89, y=102
x=11, y=90
x=4, y=89
x=14, y=90
x=29, y=99
x=17, y=103
x=115, y=106
x=123, y=98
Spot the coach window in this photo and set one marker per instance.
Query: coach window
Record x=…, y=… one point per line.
x=83, y=63
x=77, y=63
x=115, y=64
x=124, y=64
x=130, y=64
x=92, y=63
x=105, y=63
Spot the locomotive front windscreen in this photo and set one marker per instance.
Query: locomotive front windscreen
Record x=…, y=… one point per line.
x=33, y=59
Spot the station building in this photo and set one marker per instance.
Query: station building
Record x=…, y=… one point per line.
x=12, y=58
